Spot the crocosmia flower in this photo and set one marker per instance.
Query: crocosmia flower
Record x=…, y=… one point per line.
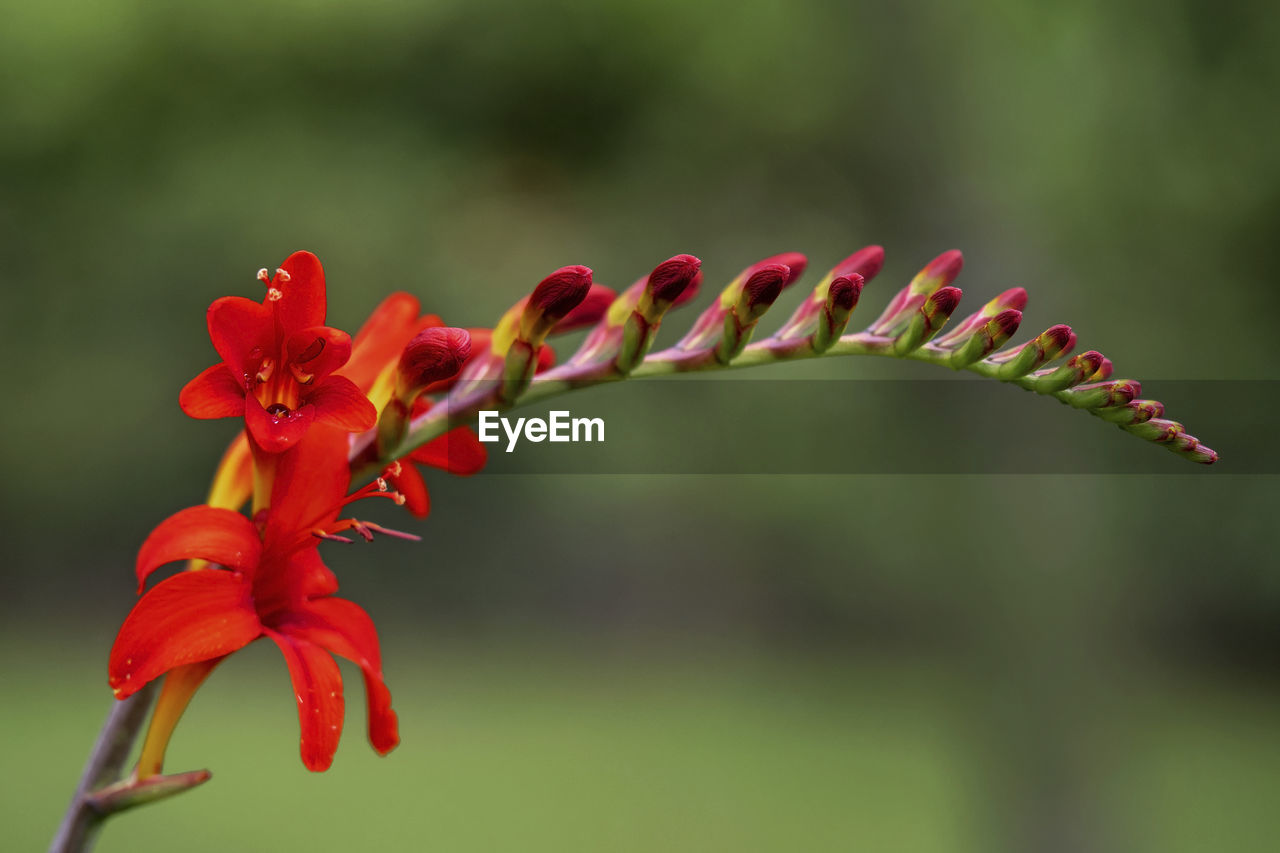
x=266, y=580
x=278, y=362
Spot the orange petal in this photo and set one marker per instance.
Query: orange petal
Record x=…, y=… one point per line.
x=345, y=629
x=220, y=536
x=317, y=686
x=190, y=617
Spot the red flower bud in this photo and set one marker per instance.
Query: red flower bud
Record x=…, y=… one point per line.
x=844, y=290
x=435, y=354
x=794, y=262
x=763, y=287
x=671, y=278
x=589, y=311
x=865, y=262
x=561, y=292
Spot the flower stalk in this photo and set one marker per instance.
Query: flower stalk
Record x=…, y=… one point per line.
x=322, y=413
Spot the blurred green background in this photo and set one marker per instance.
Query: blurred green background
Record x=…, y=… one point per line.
x=899, y=663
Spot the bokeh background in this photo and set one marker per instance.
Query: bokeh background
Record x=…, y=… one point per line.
x=894, y=662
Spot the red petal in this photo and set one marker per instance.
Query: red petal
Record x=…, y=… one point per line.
x=378, y=343
x=344, y=628
x=276, y=433
x=410, y=484
x=302, y=302
x=589, y=310
x=338, y=402
x=201, y=533
x=190, y=617
x=309, y=486
x=243, y=333
x=317, y=686
x=315, y=352
x=214, y=393
x=458, y=451
x=288, y=581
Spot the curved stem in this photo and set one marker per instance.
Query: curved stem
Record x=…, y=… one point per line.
x=80, y=824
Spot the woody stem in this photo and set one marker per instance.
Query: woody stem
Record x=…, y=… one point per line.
x=83, y=817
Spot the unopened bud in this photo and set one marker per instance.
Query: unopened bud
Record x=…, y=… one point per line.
x=434, y=355
x=1103, y=395
x=1159, y=430
x=1135, y=412
x=1075, y=371
x=588, y=312
x=668, y=283
x=865, y=262
x=842, y=298
x=1015, y=298
x=992, y=335
x=1036, y=352
x=552, y=300
x=929, y=318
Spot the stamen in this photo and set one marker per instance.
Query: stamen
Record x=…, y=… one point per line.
x=332, y=537
x=263, y=275
x=365, y=529
x=281, y=274
x=392, y=470
x=381, y=484
x=265, y=369
x=275, y=294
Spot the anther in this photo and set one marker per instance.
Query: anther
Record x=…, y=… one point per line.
x=263, y=275
x=393, y=470
x=284, y=276
x=382, y=484
x=275, y=294
x=265, y=369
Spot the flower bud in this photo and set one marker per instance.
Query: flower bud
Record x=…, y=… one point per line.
x=1134, y=412
x=842, y=298
x=668, y=284
x=1103, y=395
x=865, y=262
x=929, y=318
x=434, y=355
x=552, y=300
x=1021, y=360
x=1075, y=371
x=588, y=312
x=989, y=337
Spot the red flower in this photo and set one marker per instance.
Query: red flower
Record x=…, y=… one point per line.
x=272, y=584
x=277, y=361
x=375, y=355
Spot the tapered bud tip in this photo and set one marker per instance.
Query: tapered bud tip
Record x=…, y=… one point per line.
x=1104, y=370
x=589, y=311
x=1057, y=338
x=670, y=278
x=946, y=266
x=1149, y=408
x=1126, y=390
x=945, y=300
x=866, y=262
x=561, y=292
x=1006, y=322
x=765, y=284
x=844, y=291
x=1089, y=362
x=1070, y=344
x=1204, y=455
x=794, y=262
x=435, y=354
x=1014, y=297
